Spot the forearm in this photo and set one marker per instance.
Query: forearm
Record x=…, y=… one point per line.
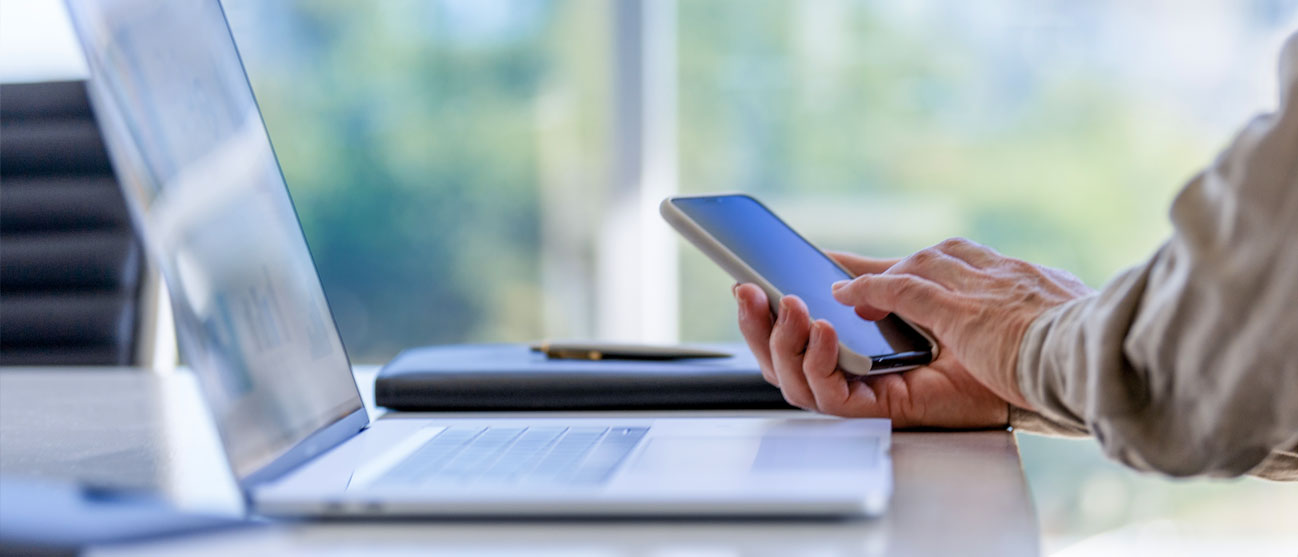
x=1184, y=364
x=1280, y=465
x=1174, y=366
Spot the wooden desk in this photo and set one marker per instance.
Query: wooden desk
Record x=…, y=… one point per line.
x=956, y=493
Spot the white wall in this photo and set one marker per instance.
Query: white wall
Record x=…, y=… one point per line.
x=37, y=43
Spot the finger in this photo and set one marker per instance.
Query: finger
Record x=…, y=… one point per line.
x=870, y=313
x=861, y=265
x=867, y=313
x=918, y=299
x=862, y=399
x=788, y=342
x=970, y=252
x=888, y=396
x=755, y=325
x=820, y=367
x=937, y=266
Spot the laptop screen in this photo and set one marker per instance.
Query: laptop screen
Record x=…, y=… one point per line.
x=206, y=193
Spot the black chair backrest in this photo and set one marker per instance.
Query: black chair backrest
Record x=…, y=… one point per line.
x=70, y=264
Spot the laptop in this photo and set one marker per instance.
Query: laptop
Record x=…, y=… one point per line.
x=206, y=193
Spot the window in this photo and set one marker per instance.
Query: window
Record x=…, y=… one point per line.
x=485, y=170
x=447, y=159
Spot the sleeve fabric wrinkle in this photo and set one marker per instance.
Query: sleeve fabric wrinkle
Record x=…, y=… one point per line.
x=1186, y=363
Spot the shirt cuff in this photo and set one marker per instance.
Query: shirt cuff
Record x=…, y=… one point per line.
x=1280, y=466
x=1032, y=422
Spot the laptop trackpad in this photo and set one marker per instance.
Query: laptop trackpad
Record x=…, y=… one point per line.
x=772, y=453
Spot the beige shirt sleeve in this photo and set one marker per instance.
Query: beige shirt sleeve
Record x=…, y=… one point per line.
x=1188, y=363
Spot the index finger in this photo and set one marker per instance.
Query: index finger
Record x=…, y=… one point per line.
x=860, y=264
x=915, y=298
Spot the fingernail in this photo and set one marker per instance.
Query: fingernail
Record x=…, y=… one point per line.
x=840, y=284
x=734, y=290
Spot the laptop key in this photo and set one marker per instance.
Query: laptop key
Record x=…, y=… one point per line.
x=506, y=455
x=525, y=453
x=566, y=453
x=482, y=452
x=600, y=463
x=432, y=455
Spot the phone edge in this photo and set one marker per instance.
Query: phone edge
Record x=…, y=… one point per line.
x=739, y=270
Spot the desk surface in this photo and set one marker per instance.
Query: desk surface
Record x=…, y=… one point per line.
x=955, y=493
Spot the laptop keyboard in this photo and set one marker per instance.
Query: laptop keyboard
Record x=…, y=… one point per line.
x=464, y=455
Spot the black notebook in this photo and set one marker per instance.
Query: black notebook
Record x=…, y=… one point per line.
x=513, y=377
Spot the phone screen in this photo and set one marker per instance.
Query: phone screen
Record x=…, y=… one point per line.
x=794, y=266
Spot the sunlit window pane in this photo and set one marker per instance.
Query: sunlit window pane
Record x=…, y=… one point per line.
x=439, y=153
x=454, y=163
x=1052, y=131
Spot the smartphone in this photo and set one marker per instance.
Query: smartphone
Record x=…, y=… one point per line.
x=754, y=245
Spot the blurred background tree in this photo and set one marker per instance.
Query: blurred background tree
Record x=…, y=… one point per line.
x=409, y=135
x=451, y=161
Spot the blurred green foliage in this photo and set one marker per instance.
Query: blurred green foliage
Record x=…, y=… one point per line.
x=414, y=139
x=1060, y=167
x=441, y=153
x=410, y=147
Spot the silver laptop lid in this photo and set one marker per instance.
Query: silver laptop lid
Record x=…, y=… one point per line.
x=206, y=193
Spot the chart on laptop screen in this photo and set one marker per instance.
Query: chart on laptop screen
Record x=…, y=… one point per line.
x=207, y=194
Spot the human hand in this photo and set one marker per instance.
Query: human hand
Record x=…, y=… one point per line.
x=977, y=302
x=801, y=358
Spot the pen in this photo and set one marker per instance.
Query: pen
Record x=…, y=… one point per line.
x=605, y=351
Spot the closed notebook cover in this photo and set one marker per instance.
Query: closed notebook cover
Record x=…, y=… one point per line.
x=512, y=377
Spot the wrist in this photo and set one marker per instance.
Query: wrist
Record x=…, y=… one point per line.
x=1023, y=387
x=1009, y=386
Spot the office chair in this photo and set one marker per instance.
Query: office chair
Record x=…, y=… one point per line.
x=72, y=272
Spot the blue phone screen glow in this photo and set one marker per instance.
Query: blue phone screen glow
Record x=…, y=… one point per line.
x=791, y=264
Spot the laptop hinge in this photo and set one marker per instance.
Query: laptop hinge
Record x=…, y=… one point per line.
x=312, y=446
